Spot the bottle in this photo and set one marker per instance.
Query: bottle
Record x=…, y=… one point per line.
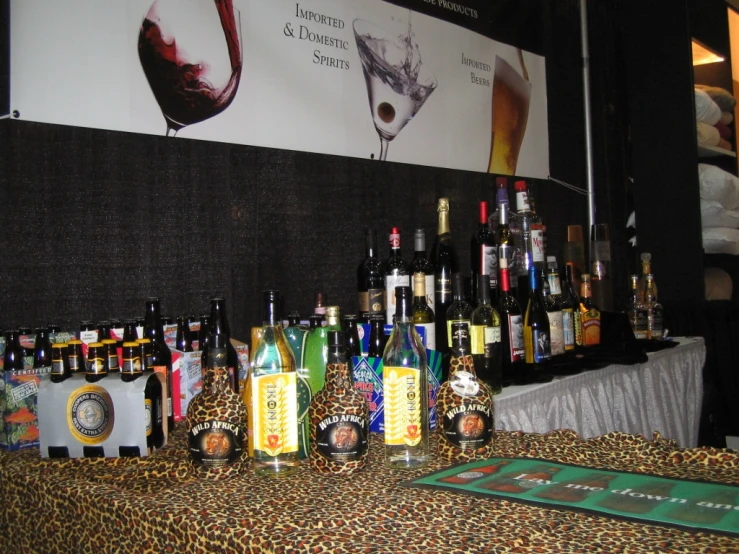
x=458, y=311
x=405, y=387
x=339, y=417
x=485, y=339
x=522, y=234
x=396, y=274
x=271, y=397
x=484, y=252
x=88, y=332
x=104, y=329
x=578, y=489
x=14, y=357
x=41, y=348
x=371, y=279
x=444, y=258
x=589, y=314
x=555, y=315
x=538, y=235
x=351, y=336
x=536, y=337
x=218, y=325
x=574, y=253
x=501, y=197
x=512, y=481
x=160, y=354
x=316, y=348
x=320, y=305
x=182, y=340
x=571, y=294
x=315, y=321
x=129, y=330
x=111, y=351
x=511, y=330
x=297, y=338
x=116, y=332
x=636, y=311
x=203, y=332
x=655, y=319
x=377, y=338
x=147, y=362
x=568, y=301
x=75, y=357
x=97, y=362
x=646, y=269
x=422, y=314
x=600, y=275
x=59, y=363
x=421, y=264
x=465, y=406
x=216, y=418
x=131, y=369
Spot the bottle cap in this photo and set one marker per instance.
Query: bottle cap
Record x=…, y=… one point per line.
x=483, y=212
x=402, y=293
x=150, y=299
x=443, y=205
x=520, y=186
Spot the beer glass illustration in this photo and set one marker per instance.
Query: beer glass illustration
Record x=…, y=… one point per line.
x=511, y=96
x=391, y=67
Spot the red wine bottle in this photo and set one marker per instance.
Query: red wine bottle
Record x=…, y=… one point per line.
x=396, y=274
x=371, y=280
x=511, y=330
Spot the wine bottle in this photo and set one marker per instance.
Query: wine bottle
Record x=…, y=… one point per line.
x=459, y=309
x=465, y=406
x=655, y=317
x=537, y=345
x=160, y=354
x=316, y=348
x=485, y=339
x=396, y=274
x=444, y=258
x=422, y=314
x=538, y=235
x=522, y=235
x=405, y=388
x=421, y=264
x=484, y=253
x=566, y=303
x=589, y=314
x=371, y=279
x=572, y=297
x=339, y=417
x=271, y=397
x=351, y=335
x=501, y=197
x=554, y=313
x=637, y=311
x=377, y=338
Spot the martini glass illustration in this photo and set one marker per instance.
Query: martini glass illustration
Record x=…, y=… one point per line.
x=391, y=66
x=191, y=54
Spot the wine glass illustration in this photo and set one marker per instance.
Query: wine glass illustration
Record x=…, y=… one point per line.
x=191, y=54
x=391, y=68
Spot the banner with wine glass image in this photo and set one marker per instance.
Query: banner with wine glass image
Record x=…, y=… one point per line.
x=366, y=79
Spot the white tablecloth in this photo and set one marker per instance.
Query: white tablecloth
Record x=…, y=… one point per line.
x=663, y=394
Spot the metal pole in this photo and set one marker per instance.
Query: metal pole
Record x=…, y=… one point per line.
x=586, y=106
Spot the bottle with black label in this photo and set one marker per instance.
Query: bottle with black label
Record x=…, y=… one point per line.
x=216, y=418
x=464, y=406
x=339, y=418
x=97, y=362
x=160, y=354
x=59, y=363
x=371, y=279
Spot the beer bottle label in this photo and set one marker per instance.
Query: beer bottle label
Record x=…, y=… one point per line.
x=148, y=416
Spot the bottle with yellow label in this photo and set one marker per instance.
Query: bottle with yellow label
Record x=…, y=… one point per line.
x=405, y=387
x=271, y=397
x=589, y=314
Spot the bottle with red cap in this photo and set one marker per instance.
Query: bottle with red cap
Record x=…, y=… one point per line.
x=396, y=274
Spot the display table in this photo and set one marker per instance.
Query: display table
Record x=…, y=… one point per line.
x=132, y=505
x=663, y=394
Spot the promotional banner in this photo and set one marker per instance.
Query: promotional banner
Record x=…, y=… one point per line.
x=362, y=78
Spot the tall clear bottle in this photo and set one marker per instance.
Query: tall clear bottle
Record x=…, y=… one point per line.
x=423, y=316
x=396, y=274
x=511, y=330
x=567, y=303
x=485, y=339
x=161, y=357
x=371, y=279
x=421, y=264
x=444, y=258
x=655, y=315
x=271, y=397
x=297, y=337
x=406, y=385
x=637, y=311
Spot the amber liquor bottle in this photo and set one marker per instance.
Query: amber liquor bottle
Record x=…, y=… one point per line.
x=464, y=406
x=339, y=417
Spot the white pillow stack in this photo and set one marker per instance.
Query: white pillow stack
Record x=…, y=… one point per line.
x=719, y=198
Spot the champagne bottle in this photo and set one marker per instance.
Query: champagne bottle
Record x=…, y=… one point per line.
x=339, y=417
x=589, y=314
x=405, y=386
x=216, y=418
x=655, y=317
x=637, y=311
x=465, y=405
x=160, y=354
x=422, y=314
x=396, y=274
x=421, y=264
x=444, y=258
x=485, y=339
x=371, y=279
x=271, y=397
x=511, y=330
x=554, y=313
x=484, y=253
x=537, y=345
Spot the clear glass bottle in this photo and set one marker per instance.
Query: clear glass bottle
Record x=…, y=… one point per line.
x=556, y=317
x=568, y=301
x=421, y=264
x=405, y=387
x=655, y=312
x=271, y=397
x=636, y=310
x=297, y=337
x=396, y=274
x=423, y=316
x=485, y=339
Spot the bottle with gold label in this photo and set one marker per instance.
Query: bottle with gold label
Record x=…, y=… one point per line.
x=589, y=314
x=271, y=397
x=97, y=362
x=216, y=418
x=405, y=387
x=423, y=316
x=339, y=418
x=59, y=363
x=464, y=406
x=75, y=356
x=636, y=310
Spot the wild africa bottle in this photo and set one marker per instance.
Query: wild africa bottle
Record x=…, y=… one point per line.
x=271, y=397
x=465, y=406
x=339, y=418
x=405, y=383
x=216, y=418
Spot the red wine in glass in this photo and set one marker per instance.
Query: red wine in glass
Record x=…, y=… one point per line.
x=182, y=81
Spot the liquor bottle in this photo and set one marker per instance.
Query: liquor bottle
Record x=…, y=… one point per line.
x=646, y=269
x=405, y=386
x=351, y=336
x=589, y=314
x=161, y=356
x=511, y=330
x=636, y=311
x=97, y=362
x=339, y=417
x=271, y=397
x=538, y=234
x=131, y=369
x=396, y=274
x=555, y=315
x=421, y=264
x=569, y=294
x=320, y=305
x=75, y=356
x=371, y=279
x=377, y=338
x=505, y=239
x=297, y=338
x=182, y=340
x=218, y=325
x=422, y=314
x=459, y=309
x=574, y=253
x=484, y=252
x=444, y=258
x=464, y=405
x=567, y=302
x=59, y=363
x=316, y=348
x=14, y=358
x=536, y=337
x=522, y=234
x=216, y=418
x=485, y=341
x=111, y=351
x=41, y=348
x=655, y=318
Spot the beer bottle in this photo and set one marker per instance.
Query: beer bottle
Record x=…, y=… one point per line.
x=111, y=350
x=218, y=325
x=97, y=362
x=183, y=342
x=59, y=363
x=14, y=358
x=42, y=348
x=76, y=358
x=161, y=356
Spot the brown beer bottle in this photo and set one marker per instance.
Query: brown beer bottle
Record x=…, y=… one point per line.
x=59, y=363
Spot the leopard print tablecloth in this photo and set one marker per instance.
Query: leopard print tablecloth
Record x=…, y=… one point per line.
x=136, y=505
